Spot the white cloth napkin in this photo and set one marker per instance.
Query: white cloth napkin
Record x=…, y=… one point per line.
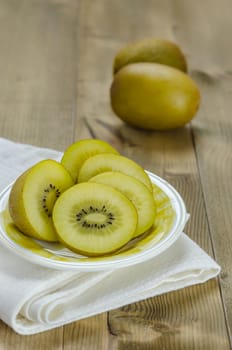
x=34, y=299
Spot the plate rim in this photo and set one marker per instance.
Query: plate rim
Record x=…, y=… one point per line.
x=160, y=247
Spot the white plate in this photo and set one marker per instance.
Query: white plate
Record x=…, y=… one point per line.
x=170, y=220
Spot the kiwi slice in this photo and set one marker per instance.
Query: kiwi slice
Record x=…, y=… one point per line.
x=94, y=219
x=111, y=162
x=78, y=152
x=33, y=195
x=136, y=192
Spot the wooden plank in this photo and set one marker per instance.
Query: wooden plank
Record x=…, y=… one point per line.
x=42, y=125
x=54, y=52
x=38, y=71
x=38, y=51
x=10, y=340
x=211, y=55
x=214, y=157
x=178, y=320
x=91, y=333
x=203, y=30
x=37, y=96
x=193, y=317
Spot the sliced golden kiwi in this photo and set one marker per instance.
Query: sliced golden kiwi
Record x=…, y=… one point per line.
x=136, y=192
x=33, y=195
x=94, y=219
x=78, y=152
x=111, y=162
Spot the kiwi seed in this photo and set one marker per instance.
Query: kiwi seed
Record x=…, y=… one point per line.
x=82, y=216
x=49, y=191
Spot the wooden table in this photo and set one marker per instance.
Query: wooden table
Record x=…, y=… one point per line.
x=55, y=73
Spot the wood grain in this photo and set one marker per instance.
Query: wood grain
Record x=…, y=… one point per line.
x=212, y=129
x=9, y=340
x=156, y=152
x=38, y=71
x=91, y=333
x=213, y=147
x=171, y=321
x=56, y=71
x=37, y=96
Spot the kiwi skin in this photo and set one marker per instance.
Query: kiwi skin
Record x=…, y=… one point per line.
x=152, y=96
x=18, y=208
x=151, y=50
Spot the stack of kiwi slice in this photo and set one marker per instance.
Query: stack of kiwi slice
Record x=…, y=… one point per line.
x=94, y=200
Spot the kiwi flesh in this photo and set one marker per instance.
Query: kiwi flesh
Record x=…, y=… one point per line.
x=94, y=219
x=78, y=152
x=33, y=195
x=111, y=162
x=136, y=192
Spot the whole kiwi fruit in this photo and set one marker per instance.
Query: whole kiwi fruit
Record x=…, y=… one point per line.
x=154, y=96
x=153, y=50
